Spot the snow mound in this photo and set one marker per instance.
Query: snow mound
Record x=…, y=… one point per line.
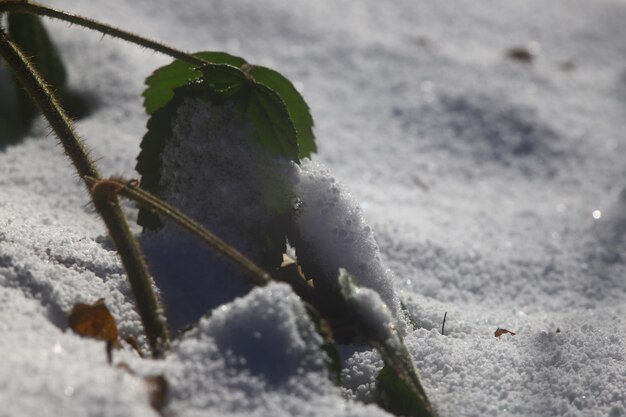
x=332, y=234
x=358, y=376
x=259, y=355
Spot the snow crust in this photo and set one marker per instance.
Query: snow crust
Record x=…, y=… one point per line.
x=492, y=186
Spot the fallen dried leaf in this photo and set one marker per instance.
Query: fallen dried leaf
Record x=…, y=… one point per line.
x=94, y=321
x=157, y=387
x=132, y=341
x=125, y=367
x=287, y=260
x=291, y=273
x=500, y=332
x=567, y=66
x=521, y=54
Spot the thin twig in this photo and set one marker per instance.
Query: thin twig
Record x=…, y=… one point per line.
x=109, y=350
x=39, y=9
x=443, y=325
x=109, y=188
x=127, y=247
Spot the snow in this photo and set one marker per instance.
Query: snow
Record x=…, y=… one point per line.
x=333, y=235
x=493, y=189
x=372, y=312
x=210, y=171
x=213, y=169
x=45, y=370
x=256, y=356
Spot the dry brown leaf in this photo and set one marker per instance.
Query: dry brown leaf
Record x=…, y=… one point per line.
x=157, y=387
x=132, y=341
x=520, y=54
x=500, y=332
x=124, y=367
x=287, y=260
x=94, y=321
x=291, y=273
x=567, y=65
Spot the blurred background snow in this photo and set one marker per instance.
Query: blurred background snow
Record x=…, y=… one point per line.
x=492, y=185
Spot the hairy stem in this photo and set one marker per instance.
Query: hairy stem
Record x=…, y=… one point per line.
x=39, y=9
x=127, y=247
x=114, y=186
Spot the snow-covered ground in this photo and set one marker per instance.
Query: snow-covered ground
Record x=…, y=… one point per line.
x=492, y=186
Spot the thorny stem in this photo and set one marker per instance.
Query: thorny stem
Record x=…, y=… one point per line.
x=127, y=247
x=39, y=9
x=109, y=188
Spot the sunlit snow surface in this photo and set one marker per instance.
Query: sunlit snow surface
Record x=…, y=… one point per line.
x=492, y=187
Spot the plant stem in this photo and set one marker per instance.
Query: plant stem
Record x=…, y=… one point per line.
x=443, y=325
x=115, y=186
x=39, y=9
x=127, y=247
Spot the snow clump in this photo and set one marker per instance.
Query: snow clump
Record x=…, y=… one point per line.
x=331, y=233
x=215, y=171
x=259, y=355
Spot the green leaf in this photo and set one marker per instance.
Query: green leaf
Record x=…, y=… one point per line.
x=296, y=106
x=12, y=128
x=263, y=106
x=401, y=389
x=30, y=35
x=397, y=397
x=149, y=159
x=223, y=81
x=163, y=81
x=270, y=116
x=277, y=111
x=282, y=118
x=333, y=357
x=347, y=285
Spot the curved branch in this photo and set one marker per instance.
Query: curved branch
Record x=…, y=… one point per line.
x=41, y=10
x=110, y=188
